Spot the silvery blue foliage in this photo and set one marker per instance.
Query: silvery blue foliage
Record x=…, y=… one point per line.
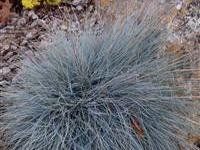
x=116, y=91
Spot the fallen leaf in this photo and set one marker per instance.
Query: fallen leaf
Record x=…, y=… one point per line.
x=137, y=127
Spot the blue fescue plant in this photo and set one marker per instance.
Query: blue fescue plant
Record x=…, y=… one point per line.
x=115, y=91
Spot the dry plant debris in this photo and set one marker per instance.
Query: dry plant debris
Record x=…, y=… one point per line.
x=5, y=11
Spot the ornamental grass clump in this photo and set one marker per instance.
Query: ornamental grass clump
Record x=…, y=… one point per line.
x=115, y=91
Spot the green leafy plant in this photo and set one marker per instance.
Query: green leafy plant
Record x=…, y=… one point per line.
x=33, y=3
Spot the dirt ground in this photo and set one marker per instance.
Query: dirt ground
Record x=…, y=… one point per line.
x=26, y=31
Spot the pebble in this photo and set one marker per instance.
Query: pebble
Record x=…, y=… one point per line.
x=32, y=15
x=76, y=2
x=5, y=70
x=23, y=42
x=42, y=23
x=14, y=66
x=8, y=55
x=39, y=22
x=29, y=35
x=79, y=8
x=44, y=44
x=179, y=6
x=64, y=27
x=13, y=47
x=6, y=47
x=21, y=21
x=3, y=83
x=29, y=53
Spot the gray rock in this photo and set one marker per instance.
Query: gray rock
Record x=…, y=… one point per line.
x=79, y=8
x=21, y=21
x=6, y=47
x=42, y=23
x=76, y=2
x=13, y=47
x=29, y=35
x=4, y=70
x=2, y=83
x=32, y=15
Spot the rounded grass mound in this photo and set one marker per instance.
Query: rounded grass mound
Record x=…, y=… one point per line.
x=112, y=92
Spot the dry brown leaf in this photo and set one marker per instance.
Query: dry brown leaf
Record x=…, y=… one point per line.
x=105, y=3
x=137, y=127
